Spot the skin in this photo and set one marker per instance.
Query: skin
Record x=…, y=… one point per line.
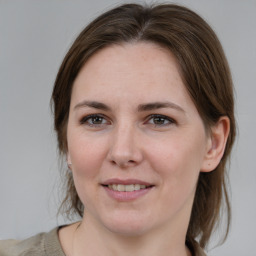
x=123, y=140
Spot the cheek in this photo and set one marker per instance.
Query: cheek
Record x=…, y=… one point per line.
x=86, y=163
x=178, y=164
x=87, y=154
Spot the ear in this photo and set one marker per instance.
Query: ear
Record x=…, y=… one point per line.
x=69, y=163
x=216, y=144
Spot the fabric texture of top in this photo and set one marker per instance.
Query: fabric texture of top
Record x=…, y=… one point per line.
x=48, y=244
x=43, y=244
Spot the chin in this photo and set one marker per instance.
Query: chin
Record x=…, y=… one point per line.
x=127, y=226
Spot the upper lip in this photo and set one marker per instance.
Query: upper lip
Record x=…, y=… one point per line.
x=125, y=182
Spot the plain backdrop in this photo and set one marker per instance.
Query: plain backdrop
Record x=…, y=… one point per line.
x=34, y=37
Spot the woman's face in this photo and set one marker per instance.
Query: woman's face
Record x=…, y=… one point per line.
x=135, y=140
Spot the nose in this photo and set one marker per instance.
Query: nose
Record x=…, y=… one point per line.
x=125, y=149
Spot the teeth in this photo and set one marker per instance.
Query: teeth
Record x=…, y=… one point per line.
x=127, y=188
x=120, y=187
x=137, y=187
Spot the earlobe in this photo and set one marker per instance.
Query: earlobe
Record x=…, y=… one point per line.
x=216, y=144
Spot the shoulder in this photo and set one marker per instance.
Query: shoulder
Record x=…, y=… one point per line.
x=42, y=244
x=31, y=246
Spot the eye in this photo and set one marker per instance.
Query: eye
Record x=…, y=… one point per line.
x=95, y=120
x=160, y=120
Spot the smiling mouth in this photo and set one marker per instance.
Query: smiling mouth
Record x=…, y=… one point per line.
x=127, y=188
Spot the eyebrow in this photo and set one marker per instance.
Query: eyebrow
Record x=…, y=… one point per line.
x=92, y=104
x=157, y=105
x=141, y=107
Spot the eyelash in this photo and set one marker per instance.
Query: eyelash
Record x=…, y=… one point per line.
x=86, y=119
x=163, y=118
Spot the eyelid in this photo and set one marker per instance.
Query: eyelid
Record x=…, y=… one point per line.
x=107, y=121
x=84, y=119
x=171, y=120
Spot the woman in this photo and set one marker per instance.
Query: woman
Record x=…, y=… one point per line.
x=144, y=114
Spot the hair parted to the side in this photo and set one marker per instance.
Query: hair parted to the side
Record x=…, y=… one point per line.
x=205, y=73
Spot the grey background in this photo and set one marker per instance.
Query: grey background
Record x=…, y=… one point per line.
x=34, y=37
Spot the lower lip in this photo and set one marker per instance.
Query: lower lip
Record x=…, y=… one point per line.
x=126, y=196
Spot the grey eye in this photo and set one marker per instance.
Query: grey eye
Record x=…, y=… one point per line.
x=94, y=120
x=160, y=120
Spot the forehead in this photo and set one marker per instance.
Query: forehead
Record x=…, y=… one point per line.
x=144, y=57
x=143, y=71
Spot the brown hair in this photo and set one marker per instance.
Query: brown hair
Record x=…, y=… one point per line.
x=205, y=73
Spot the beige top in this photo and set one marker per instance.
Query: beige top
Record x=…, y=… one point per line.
x=47, y=244
x=43, y=244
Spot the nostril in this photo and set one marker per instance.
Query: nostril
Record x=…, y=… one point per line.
x=113, y=162
x=123, y=164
